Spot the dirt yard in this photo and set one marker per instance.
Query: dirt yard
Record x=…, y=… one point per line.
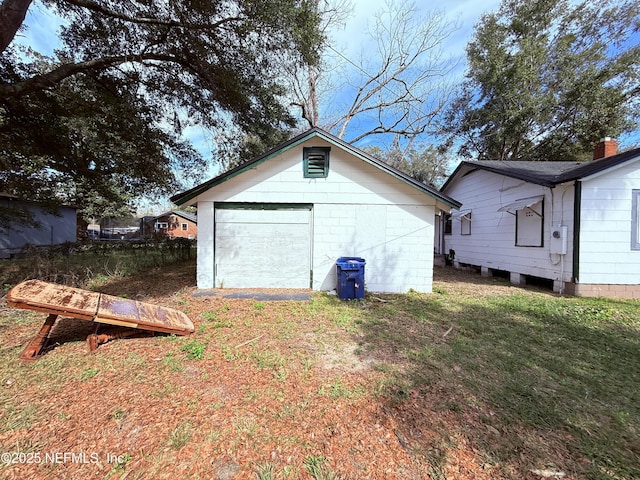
x=262, y=389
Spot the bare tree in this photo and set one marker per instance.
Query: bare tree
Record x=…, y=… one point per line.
x=309, y=84
x=398, y=86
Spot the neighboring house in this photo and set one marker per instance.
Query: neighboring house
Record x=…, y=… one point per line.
x=50, y=229
x=577, y=225
x=283, y=219
x=176, y=224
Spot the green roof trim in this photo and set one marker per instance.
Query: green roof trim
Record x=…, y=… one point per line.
x=186, y=196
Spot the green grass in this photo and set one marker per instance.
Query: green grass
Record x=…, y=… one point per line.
x=317, y=467
x=525, y=362
x=89, y=373
x=269, y=359
x=211, y=320
x=119, y=414
x=337, y=389
x=181, y=435
x=194, y=349
x=92, y=264
x=529, y=362
x=15, y=418
x=266, y=471
x=173, y=363
x=529, y=379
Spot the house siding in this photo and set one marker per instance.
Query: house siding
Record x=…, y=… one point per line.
x=357, y=211
x=491, y=244
x=174, y=226
x=606, y=256
x=53, y=229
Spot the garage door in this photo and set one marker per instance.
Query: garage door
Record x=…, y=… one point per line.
x=263, y=246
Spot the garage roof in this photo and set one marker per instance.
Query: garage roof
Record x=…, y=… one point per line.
x=184, y=197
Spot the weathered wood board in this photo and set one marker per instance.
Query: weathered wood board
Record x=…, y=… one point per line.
x=52, y=298
x=60, y=300
x=145, y=316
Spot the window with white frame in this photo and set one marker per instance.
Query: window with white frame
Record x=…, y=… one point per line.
x=185, y=227
x=529, y=225
x=161, y=226
x=465, y=224
x=529, y=213
x=635, y=220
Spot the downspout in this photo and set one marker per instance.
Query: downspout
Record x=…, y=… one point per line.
x=577, y=200
x=441, y=233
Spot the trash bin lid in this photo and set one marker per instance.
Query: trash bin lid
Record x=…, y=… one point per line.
x=350, y=262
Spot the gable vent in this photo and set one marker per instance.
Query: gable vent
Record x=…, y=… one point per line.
x=316, y=162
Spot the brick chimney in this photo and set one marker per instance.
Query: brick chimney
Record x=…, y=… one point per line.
x=606, y=147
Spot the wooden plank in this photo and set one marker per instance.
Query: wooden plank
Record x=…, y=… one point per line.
x=92, y=306
x=170, y=320
x=53, y=298
x=112, y=321
x=122, y=311
x=117, y=308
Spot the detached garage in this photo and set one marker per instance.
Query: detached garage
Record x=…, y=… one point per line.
x=283, y=219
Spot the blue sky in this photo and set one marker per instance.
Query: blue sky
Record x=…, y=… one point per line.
x=42, y=27
x=466, y=12
x=42, y=24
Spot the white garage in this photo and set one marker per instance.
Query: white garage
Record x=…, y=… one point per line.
x=263, y=245
x=282, y=220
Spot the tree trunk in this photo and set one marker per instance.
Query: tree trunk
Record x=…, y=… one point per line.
x=12, y=14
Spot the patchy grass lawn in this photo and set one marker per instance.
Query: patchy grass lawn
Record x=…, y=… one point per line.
x=478, y=380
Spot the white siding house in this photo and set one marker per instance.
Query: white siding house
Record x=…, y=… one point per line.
x=574, y=224
x=283, y=219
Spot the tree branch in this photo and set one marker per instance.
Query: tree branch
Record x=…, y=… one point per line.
x=58, y=74
x=95, y=7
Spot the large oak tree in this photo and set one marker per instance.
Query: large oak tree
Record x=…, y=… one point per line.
x=108, y=110
x=547, y=78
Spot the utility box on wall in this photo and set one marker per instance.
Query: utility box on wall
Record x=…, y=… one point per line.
x=558, y=241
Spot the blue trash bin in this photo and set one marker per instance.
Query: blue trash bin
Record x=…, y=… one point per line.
x=350, y=272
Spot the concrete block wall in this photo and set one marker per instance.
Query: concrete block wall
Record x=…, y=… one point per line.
x=393, y=241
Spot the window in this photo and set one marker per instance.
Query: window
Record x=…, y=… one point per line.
x=447, y=224
x=315, y=162
x=465, y=224
x=161, y=226
x=529, y=213
x=529, y=225
x=635, y=220
x=185, y=227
